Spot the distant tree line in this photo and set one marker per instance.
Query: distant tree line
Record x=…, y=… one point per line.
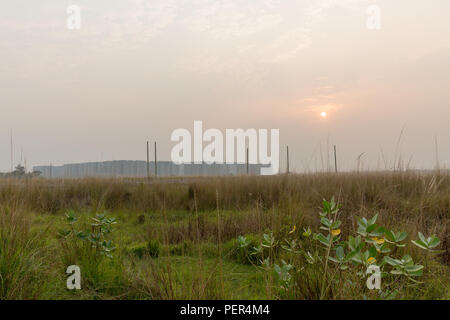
x=20, y=173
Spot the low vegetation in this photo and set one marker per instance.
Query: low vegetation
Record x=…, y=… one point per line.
x=310, y=236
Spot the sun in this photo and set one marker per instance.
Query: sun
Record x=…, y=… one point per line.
x=323, y=114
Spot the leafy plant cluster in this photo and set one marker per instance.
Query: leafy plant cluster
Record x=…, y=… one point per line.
x=97, y=238
x=371, y=245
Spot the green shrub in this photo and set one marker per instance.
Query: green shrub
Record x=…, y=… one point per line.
x=139, y=249
x=180, y=249
x=244, y=250
x=153, y=248
x=97, y=237
x=142, y=249
x=91, y=249
x=373, y=246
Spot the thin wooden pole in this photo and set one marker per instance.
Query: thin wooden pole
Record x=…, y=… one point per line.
x=148, y=161
x=12, y=153
x=335, y=160
x=156, y=163
x=287, y=159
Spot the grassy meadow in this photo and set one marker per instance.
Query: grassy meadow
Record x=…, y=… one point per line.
x=227, y=237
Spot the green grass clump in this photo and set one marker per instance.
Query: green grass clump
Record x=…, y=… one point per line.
x=25, y=264
x=151, y=248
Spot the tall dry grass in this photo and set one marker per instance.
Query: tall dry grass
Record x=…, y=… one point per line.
x=23, y=257
x=206, y=215
x=409, y=199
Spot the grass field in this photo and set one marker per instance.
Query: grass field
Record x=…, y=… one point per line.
x=226, y=238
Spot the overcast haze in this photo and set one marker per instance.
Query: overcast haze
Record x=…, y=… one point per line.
x=137, y=70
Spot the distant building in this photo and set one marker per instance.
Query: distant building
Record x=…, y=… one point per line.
x=124, y=168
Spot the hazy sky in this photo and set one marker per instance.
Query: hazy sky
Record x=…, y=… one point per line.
x=137, y=70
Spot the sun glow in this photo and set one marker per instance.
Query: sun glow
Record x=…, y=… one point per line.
x=323, y=114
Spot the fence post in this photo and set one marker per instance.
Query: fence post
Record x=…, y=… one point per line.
x=287, y=159
x=148, y=161
x=156, y=163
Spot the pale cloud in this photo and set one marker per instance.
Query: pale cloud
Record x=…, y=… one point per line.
x=290, y=44
x=238, y=22
x=317, y=10
x=143, y=18
x=222, y=19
